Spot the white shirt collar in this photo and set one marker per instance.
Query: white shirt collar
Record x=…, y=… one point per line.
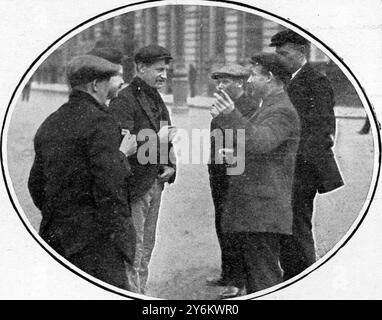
x=298, y=70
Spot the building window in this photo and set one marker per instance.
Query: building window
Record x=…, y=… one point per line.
x=91, y=33
x=253, y=34
x=220, y=30
x=179, y=30
x=154, y=25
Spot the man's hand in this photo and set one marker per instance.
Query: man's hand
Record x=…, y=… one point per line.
x=214, y=112
x=167, y=173
x=167, y=134
x=223, y=103
x=129, y=143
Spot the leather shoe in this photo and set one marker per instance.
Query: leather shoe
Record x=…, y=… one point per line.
x=216, y=282
x=232, y=292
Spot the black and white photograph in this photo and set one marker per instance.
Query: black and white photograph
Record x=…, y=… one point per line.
x=196, y=150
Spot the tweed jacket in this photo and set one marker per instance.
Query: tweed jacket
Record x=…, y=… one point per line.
x=259, y=199
x=247, y=105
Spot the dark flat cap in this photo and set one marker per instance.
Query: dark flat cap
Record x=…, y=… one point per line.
x=152, y=53
x=287, y=36
x=109, y=53
x=86, y=68
x=232, y=71
x=273, y=63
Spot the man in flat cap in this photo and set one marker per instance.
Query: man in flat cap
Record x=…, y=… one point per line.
x=115, y=56
x=78, y=178
x=316, y=167
x=140, y=109
x=232, y=80
x=257, y=210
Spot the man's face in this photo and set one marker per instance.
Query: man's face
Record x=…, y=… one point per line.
x=291, y=55
x=232, y=87
x=101, y=90
x=258, y=80
x=116, y=83
x=155, y=74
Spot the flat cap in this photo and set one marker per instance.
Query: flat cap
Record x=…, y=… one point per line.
x=287, y=36
x=232, y=71
x=272, y=62
x=152, y=53
x=109, y=53
x=86, y=68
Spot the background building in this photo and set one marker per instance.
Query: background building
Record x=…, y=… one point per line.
x=202, y=36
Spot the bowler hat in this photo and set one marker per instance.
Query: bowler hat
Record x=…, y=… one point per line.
x=152, y=53
x=87, y=68
x=287, y=36
x=109, y=53
x=232, y=71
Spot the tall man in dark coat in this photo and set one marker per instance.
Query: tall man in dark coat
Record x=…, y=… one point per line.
x=258, y=210
x=232, y=79
x=316, y=168
x=78, y=178
x=140, y=109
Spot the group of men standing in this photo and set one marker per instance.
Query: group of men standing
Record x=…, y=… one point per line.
x=100, y=202
x=264, y=215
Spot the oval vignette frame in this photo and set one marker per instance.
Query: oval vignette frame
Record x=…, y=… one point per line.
x=229, y=4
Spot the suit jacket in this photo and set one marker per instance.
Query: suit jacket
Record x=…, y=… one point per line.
x=140, y=109
x=78, y=179
x=247, y=105
x=259, y=200
x=313, y=98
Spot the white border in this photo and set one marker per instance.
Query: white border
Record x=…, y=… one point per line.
x=150, y=5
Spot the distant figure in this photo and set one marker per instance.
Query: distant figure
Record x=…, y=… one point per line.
x=27, y=90
x=366, y=127
x=192, y=79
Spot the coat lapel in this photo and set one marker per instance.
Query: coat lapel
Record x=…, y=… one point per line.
x=299, y=78
x=145, y=104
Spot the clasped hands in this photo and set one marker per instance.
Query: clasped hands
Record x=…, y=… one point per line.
x=222, y=104
x=129, y=143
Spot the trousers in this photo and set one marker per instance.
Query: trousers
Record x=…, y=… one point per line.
x=144, y=211
x=256, y=260
x=219, y=188
x=298, y=250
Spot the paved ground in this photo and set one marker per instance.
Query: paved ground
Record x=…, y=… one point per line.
x=187, y=250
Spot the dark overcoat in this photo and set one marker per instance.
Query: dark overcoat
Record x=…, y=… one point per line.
x=259, y=199
x=78, y=179
x=140, y=109
x=313, y=98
